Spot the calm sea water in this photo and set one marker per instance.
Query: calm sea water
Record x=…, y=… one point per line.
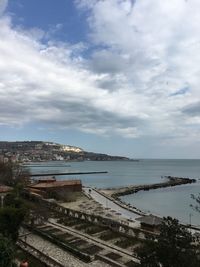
x=173, y=201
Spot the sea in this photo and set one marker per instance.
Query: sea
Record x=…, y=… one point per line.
x=173, y=201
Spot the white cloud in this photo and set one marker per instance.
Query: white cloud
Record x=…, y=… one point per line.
x=47, y=83
x=154, y=46
x=150, y=51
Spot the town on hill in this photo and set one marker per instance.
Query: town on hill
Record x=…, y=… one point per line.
x=26, y=151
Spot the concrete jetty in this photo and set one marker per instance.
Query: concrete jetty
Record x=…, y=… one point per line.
x=171, y=181
x=65, y=173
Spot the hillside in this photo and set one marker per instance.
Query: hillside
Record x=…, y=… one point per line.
x=41, y=151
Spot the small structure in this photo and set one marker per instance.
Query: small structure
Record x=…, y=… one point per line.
x=4, y=190
x=150, y=222
x=46, y=179
x=57, y=189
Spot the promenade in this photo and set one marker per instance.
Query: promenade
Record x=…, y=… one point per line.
x=109, y=203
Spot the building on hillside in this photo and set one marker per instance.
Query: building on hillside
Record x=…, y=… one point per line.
x=51, y=188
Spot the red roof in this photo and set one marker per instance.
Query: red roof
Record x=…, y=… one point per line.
x=57, y=184
x=5, y=189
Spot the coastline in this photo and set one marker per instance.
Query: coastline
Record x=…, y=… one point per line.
x=145, y=172
x=114, y=195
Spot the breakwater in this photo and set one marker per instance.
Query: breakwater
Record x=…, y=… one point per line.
x=171, y=181
x=45, y=166
x=65, y=173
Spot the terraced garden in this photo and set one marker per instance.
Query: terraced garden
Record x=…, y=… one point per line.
x=103, y=233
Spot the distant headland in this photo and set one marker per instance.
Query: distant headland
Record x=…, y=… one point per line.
x=36, y=151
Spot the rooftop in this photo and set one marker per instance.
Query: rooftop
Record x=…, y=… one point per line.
x=5, y=189
x=150, y=220
x=56, y=184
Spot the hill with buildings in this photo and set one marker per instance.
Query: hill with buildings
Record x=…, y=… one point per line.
x=25, y=151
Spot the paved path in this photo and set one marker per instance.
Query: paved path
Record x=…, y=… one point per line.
x=107, y=203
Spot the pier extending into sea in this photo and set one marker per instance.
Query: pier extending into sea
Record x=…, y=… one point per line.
x=132, y=189
x=65, y=173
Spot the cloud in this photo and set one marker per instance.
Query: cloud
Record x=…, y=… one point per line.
x=3, y=5
x=47, y=83
x=193, y=109
x=152, y=48
x=181, y=91
x=140, y=57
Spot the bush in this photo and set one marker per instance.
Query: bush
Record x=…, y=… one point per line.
x=7, y=252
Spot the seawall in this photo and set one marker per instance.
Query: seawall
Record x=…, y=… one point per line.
x=171, y=181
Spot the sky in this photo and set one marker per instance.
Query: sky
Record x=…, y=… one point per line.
x=114, y=76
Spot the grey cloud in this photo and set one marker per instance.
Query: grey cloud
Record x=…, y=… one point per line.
x=82, y=114
x=108, y=62
x=192, y=109
x=110, y=82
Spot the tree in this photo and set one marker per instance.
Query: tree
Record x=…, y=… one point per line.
x=14, y=211
x=172, y=248
x=147, y=254
x=6, y=173
x=10, y=222
x=13, y=174
x=12, y=215
x=7, y=252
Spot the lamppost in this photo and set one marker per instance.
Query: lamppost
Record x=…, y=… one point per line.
x=190, y=222
x=4, y=190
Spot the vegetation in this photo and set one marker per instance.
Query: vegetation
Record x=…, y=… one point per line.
x=33, y=262
x=94, y=229
x=14, y=211
x=70, y=221
x=82, y=226
x=7, y=252
x=174, y=247
x=109, y=235
x=10, y=221
x=127, y=242
x=14, y=175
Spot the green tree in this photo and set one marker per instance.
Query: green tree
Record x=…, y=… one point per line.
x=147, y=254
x=172, y=248
x=14, y=212
x=7, y=252
x=10, y=221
